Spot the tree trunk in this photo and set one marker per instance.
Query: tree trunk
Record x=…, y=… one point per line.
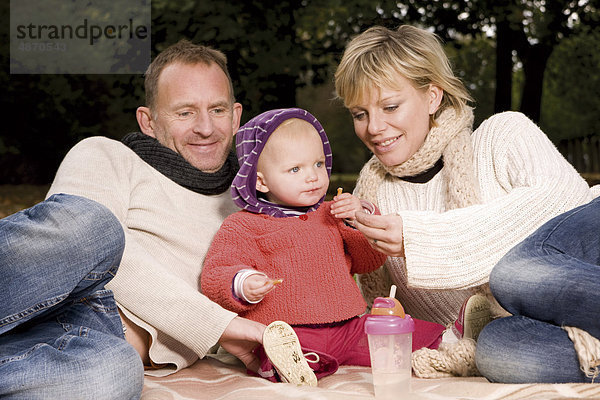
x=534, y=66
x=504, y=66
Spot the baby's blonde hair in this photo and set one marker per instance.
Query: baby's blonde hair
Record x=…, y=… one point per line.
x=287, y=131
x=290, y=129
x=376, y=57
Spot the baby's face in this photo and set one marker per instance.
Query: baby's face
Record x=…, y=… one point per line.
x=291, y=169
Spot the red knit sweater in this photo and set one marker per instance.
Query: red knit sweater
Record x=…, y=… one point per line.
x=315, y=254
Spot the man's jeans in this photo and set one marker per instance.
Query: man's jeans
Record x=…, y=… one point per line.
x=551, y=279
x=60, y=332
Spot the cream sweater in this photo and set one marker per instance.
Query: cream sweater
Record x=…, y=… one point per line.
x=524, y=182
x=168, y=230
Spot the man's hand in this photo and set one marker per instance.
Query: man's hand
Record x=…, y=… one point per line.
x=241, y=337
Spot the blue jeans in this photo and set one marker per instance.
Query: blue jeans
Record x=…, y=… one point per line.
x=61, y=336
x=551, y=279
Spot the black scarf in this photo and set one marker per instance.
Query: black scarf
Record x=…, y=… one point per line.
x=172, y=165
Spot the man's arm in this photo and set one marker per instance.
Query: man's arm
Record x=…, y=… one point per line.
x=240, y=338
x=157, y=280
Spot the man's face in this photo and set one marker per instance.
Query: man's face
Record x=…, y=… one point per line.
x=194, y=114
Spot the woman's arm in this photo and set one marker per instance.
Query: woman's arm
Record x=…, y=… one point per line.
x=524, y=182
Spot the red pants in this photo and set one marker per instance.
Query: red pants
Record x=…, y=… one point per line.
x=346, y=344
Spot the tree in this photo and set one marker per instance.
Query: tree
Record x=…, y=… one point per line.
x=278, y=50
x=528, y=28
x=570, y=102
x=51, y=112
x=531, y=28
x=544, y=26
x=265, y=57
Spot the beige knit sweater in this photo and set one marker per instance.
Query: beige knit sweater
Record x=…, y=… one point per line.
x=168, y=230
x=524, y=181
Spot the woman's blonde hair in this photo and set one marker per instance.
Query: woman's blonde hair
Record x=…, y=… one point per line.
x=378, y=55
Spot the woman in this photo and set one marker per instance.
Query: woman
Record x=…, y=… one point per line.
x=452, y=203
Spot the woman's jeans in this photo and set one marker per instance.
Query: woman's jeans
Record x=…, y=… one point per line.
x=60, y=332
x=551, y=279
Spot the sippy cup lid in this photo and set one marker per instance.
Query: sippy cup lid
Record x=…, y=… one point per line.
x=388, y=325
x=387, y=306
x=388, y=317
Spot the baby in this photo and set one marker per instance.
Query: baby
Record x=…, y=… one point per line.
x=287, y=238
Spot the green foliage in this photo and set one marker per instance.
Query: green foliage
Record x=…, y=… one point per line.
x=53, y=112
x=265, y=57
x=284, y=53
x=572, y=84
x=349, y=154
x=473, y=60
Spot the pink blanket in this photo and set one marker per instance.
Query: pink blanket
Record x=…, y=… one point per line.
x=212, y=379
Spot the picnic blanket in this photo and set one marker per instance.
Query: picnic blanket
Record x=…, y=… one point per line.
x=213, y=379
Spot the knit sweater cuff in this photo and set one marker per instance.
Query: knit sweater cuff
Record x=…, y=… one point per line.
x=238, y=284
x=369, y=207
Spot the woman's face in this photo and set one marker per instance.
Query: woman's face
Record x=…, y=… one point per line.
x=393, y=123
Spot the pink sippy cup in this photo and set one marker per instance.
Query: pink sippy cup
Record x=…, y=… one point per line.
x=389, y=333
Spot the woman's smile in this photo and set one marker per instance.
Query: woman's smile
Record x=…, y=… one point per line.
x=385, y=145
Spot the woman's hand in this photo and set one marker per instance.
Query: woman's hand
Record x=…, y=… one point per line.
x=257, y=286
x=384, y=232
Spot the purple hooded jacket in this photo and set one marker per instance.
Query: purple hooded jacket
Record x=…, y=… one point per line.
x=250, y=141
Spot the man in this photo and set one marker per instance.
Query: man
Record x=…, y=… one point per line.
x=168, y=188
x=60, y=333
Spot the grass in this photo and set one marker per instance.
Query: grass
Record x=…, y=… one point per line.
x=14, y=198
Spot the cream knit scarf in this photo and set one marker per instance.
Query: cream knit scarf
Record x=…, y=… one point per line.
x=450, y=139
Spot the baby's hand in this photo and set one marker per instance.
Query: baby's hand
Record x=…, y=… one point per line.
x=257, y=286
x=346, y=206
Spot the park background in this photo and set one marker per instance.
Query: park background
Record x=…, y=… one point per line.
x=538, y=57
